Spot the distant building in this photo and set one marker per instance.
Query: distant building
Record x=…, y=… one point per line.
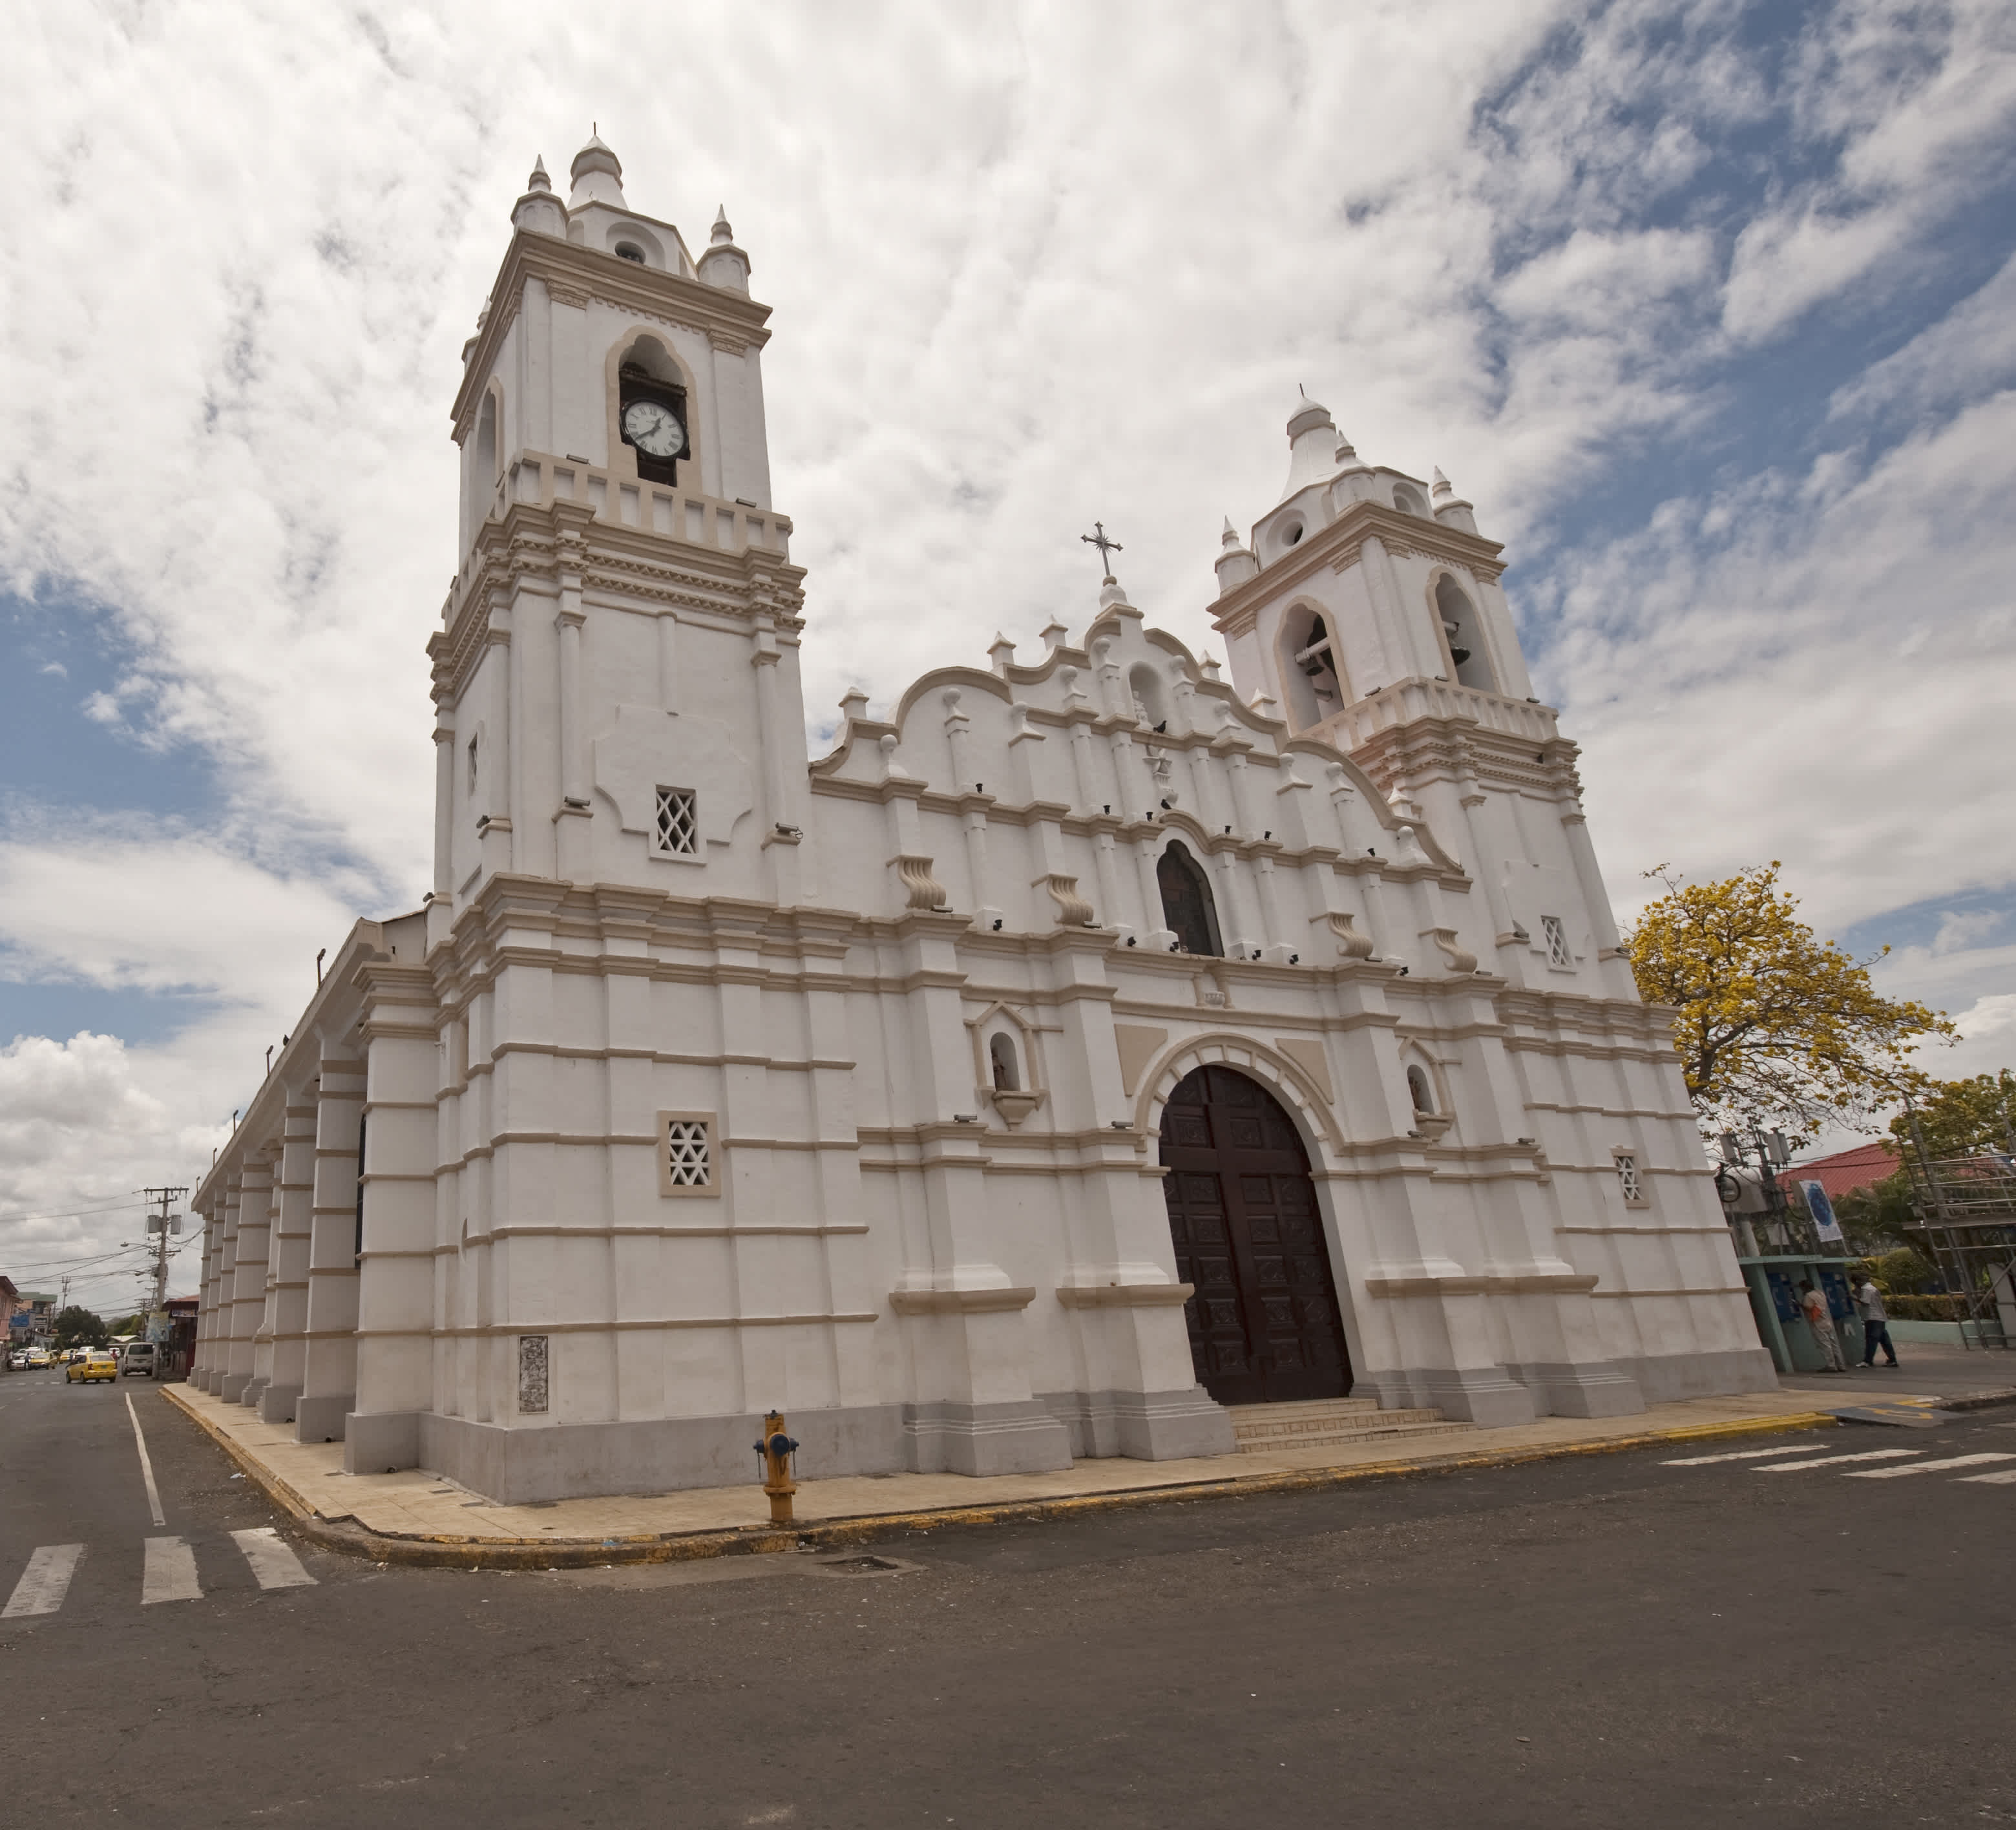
x=1847, y=1170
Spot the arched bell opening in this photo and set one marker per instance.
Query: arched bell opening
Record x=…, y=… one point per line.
x=1463, y=633
x=1311, y=679
x=1188, y=908
x=1265, y=1323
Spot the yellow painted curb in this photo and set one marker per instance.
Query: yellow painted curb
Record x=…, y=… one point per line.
x=438, y=1550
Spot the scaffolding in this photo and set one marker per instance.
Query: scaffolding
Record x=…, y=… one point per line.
x=1966, y=1226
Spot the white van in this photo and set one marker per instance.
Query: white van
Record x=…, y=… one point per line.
x=137, y=1357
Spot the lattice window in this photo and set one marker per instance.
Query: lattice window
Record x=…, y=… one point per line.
x=1559, y=952
x=685, y=1153
x=677, y=831
x=1629, y=1179
x=532, y=1372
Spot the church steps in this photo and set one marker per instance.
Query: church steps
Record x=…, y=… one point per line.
x=1325, y=1423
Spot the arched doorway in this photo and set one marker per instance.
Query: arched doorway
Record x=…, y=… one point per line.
x=1264, y=1322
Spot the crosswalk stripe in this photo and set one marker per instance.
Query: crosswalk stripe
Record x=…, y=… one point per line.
x=273, y=1562
x=1836, y=1460
x=1744, y=1455
x=1880, y=1473
x=2001, y=1478
x=170, y=1574
x=44, y=1582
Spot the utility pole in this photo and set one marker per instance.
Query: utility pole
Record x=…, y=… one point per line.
x=158, y=1226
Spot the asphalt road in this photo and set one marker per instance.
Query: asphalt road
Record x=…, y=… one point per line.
x=1607, y=1641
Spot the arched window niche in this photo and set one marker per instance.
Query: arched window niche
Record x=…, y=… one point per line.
x=1311, y=679
x=1151, y=704
x=1463, y=632
x=1001, y=1064
x=1187, y=907
x=1420, y=1091
x=1409, y=501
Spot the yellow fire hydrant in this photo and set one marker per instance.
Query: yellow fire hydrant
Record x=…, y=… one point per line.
x=774, y=1452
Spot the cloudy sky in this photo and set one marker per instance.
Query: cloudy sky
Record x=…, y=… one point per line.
x=1710, y=307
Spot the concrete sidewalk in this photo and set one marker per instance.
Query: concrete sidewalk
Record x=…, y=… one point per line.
x=416, y=1517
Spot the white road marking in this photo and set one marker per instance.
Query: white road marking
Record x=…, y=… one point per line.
x=276, y=1565
x=2003, y=1478
x=170, y=1573
x=146, y=1467
x=1744, y=1455
x=1879, y=1474
x=1836, y=1460
x=44, y=1582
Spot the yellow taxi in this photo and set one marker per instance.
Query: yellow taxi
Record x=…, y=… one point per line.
x=99, y=1362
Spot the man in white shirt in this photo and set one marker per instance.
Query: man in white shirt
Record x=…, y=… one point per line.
x=1821, y=1322
x=1875, y=1324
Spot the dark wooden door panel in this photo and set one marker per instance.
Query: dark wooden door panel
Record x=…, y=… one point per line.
x=1264, y=1321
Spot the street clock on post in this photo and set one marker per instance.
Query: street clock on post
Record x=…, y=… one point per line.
x=652, y=415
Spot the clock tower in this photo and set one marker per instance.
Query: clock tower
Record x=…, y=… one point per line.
x=616, y=676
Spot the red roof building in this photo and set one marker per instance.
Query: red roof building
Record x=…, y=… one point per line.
x=1848, y=1169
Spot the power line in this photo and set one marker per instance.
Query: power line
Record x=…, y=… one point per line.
x=78, y=1213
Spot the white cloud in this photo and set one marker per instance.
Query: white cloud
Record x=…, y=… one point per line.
x=1030, y=265
x=1970, y=350
x=1921, y=107
x=1747, y=645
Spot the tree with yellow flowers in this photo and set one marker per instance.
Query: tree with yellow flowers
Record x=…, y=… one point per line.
x=1775, y=1024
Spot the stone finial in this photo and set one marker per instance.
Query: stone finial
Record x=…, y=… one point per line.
x=1312, y=442
x=1207, y=665
x=722, y=263
x=1235, y=563
x=539, y=211
x=854, y=704
x=1441, y=487
x=1000, y=651
x=597, y=174
x=1054, y=634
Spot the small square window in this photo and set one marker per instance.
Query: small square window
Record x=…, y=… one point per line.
x=686, y=1154
x=1557, y=937
x=676, y=833
x=1628, y=1178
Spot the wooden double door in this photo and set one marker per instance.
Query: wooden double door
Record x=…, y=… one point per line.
x=1264, y=1322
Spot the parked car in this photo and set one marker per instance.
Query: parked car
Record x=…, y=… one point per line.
x=99, y=1362
x=18, y=1359
x=138, y=1359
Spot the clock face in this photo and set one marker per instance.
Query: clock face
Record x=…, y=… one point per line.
x=654, y=429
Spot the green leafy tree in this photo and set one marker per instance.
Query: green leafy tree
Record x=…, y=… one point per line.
x=132, y=1324
x=1963, y=1117
x=1775, y=1024
x=1881, y=1211
x=77, y=1327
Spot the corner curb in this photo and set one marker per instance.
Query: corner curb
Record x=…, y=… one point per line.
x=440, y=1552
x=1979, y=1401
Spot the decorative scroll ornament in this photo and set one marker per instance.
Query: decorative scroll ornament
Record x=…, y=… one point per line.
x=1073, y=909
x=924, y=890
x=1460, y=958
x=1350, y=943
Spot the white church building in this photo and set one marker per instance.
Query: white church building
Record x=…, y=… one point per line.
x=1081, y=1052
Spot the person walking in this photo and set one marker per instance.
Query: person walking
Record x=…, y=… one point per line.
x=1875, y=1323
x=1821, y=1322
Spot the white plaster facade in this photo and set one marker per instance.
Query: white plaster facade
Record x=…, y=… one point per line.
x=711, y=1077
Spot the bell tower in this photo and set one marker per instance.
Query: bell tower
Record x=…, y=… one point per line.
x=616, y=677
x=1366, y=611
